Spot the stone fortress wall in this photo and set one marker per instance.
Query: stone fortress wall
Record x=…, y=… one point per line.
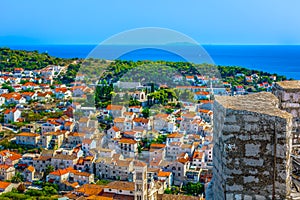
x=252, y=148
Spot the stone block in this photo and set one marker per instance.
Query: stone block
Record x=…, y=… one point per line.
x=254, y=162
x=238, y=197
x=229, y=196
x=247, y=197
x=250, y=179
x=230, y=119
x=252, y=149
x=234, y=188
x=250, y=118
x=231, y=128
x=260, y=197
x=251, y=127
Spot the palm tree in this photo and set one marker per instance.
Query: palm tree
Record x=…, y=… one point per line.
x=17, y=178
x=49, y=169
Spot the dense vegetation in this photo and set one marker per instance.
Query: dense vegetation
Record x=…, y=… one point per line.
x=48, y=192
x=163, y=72
x=29, y=60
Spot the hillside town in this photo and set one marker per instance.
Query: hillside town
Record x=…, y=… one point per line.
x=116, y=152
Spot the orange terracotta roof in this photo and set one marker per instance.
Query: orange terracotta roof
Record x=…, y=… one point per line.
x=28, y=93
x=114, y=107
x=94, y=197
x=206, y=101
x=30, y=84
x=204, y=111
x=135, y=106
x=76, y=134
x=121, y=185
x=90, y=189
x=78, y=173
x=139, y=163
x=163, y=174
x=183, y=160
x=189, y=77
x=119, y=120
x=175, y=135
x=78, y=88
x=123, y=163
x=12, y=95
x=128, y=113
x=87, y=141
x=198, y=155
x=15, y=157
x=127, y=141
x=31, y=168
x=4, y=166
x=157, y=146
x=202, y=93
x=7, y=111
x=130, y=133
x=40, y=94
x=61, y=172
x=116, y=129
x=186, y=146
x=25, y=134
x=161, y=115
x=68, y=123
x=141, y=120
x=4, y=185
x=62, y=90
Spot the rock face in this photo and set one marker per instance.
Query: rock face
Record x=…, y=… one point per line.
x=288, y=93
x=252, y=147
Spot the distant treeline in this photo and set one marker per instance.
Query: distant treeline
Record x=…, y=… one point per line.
x=29, y=60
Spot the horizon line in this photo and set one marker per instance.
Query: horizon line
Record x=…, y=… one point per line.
x=173, y=44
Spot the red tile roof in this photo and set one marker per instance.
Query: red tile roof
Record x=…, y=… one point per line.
x=61, y=172
x=30, y=84
x=114, y=107
x=25, y=134
x=163, y=174
x=7, y=111
x=175, y=135
x=4, y=185
x=127, y=141
x=116, y=129
x=31, y=168
x=4, y=166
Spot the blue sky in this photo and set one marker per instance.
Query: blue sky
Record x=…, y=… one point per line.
x=206, y=21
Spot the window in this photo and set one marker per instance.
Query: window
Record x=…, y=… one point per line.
x=139, y=176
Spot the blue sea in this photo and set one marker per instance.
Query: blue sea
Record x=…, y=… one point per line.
x=280, y=59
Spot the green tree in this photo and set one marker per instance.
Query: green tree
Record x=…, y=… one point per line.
x=194, y=188
x=49, y=190
x=17, y=178
x=6, y=86
x=146, y=112
x=49, y=169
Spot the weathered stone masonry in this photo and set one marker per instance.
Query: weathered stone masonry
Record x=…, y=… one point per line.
x=252, y=147
x=288, y=93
